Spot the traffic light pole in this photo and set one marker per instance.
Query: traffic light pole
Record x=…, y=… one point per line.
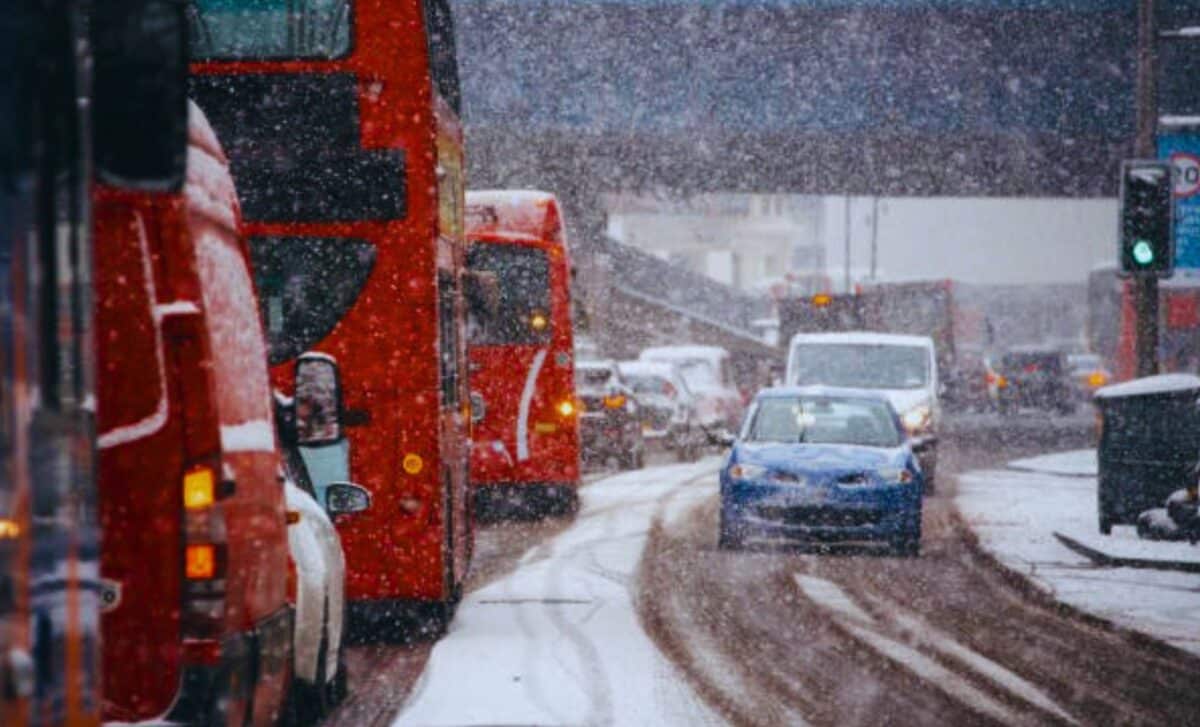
x=1146, y=286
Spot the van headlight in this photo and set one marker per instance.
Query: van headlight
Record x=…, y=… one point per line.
x=917, y=420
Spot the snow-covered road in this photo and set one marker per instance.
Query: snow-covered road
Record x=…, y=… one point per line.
x=558, y=640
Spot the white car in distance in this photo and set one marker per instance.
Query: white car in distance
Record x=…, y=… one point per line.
x=311, y=422
x=709, y=376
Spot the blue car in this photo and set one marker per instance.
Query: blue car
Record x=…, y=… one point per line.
x=819, y=464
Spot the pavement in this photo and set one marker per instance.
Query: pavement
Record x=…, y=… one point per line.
x=1037, y=517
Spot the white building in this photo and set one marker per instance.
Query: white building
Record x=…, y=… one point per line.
x=745, y=240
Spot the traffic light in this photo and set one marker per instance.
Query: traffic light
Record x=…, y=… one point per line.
x=1147, y=235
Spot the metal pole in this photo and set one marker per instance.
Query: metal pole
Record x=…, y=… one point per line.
x=847, y=266
x=1146, y=287
x=874, y=235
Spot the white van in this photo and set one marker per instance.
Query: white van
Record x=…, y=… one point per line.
x=902, y=368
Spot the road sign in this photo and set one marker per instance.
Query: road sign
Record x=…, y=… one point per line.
x=1183, y=151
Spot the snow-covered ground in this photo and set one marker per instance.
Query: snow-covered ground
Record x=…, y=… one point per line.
x=558, y=640
x=1016, y=511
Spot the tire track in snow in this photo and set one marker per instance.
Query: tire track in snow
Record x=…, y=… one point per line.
x=909, y=654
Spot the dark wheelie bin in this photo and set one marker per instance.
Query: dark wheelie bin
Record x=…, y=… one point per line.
x=1149, y=444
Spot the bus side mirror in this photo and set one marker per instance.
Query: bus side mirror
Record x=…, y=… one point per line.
x=318, y=400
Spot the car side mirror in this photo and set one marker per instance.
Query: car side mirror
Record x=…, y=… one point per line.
x=318, y=400
x=343, y=498
x=923, y=443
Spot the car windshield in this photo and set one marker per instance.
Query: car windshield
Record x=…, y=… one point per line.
x=866, y=366
x=650, y=384
x=816, y=420
x=698, y=374
x=594, y=379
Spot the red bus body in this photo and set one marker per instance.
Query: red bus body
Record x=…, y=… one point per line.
x=196, y=625
x=526, y=432
x=359, y=254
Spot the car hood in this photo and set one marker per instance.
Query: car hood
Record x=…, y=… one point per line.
x=816, y=457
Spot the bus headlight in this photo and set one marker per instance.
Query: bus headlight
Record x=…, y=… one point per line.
x=566, y=407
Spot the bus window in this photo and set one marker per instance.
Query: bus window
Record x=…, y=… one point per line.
x=305, y=286
x=443, y=67
x=258, y=29
x=448, y=339
x=523, y=278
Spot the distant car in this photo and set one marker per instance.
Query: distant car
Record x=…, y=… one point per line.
x=813, y=463
x=1037, y=378
x=1088, y=373
x=903, y=369
x=709, y=376
x=668, y=407
x=969, y=384
x=610, y=417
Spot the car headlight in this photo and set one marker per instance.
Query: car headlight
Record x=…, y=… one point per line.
x=746, y=471
x=896, y=476
x=917, y=420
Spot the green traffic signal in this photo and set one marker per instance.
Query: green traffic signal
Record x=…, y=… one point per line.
x=1143, y=252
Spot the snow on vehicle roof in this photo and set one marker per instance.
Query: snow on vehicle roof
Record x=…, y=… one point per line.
x=596, y=364
x=508, y=197
x=1161, y=384
x=864, y=337
x=527, y=214
x=680, y=353
x=647, y=368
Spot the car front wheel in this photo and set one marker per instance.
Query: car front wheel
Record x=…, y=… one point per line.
x=730, y=537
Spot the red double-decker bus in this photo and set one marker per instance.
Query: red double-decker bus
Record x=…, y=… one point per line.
x=340, y=119
x=526, y=435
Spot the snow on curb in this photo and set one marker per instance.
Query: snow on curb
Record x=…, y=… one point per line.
x=1015, y=515
x=1102, y=554
x=1076, y=463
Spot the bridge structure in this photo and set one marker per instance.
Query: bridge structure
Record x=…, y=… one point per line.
x=881, y=97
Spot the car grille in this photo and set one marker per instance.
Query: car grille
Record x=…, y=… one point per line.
x=818, y=515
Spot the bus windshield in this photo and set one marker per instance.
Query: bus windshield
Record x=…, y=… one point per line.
x=866, y=366
x=522, y=312
x=262, y=29
x=305, y=286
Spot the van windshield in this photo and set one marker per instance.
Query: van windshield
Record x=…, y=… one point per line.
x=861, y=366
